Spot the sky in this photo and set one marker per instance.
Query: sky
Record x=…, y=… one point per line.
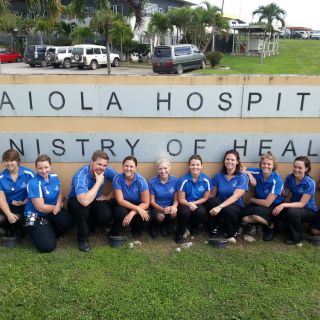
x=299, y=13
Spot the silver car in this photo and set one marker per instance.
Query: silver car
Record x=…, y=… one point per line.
x=177, y=58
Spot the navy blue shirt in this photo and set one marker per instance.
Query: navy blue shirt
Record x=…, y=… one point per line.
x=130, y=193
x=226, y=188
x=83, y=181
x=15, y=190
x=163, y=192
x=306, y=186
x=194, y=190
x=272, y=185
x=38, y=187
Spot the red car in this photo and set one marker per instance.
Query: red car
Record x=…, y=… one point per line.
x=7, y=55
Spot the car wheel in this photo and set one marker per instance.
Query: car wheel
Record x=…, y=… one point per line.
x=49, y=57
x=203, y=64
x=116, y=62
x=77, y=57
x=179, y=69
x=93, y=65
x=18, y=60
x=67, y=63
x=43, y=63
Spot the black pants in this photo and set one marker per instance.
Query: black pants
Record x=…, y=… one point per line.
x=191, y=219
x=293, y=219
x=98, y=212
x=13, y=229
x=137, y=224
x=155, y=223
x=229, y=218
x=45, y=231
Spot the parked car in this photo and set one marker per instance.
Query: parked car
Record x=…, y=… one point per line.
x=315, y=36
x=7, y=55
x=35, y=55
x=177, y=58
x=300, y=35
x=92, y=56
x=57, y=56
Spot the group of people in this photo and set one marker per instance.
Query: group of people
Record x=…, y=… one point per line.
x=32, y=201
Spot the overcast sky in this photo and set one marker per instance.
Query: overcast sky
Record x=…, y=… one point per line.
x=299, y=13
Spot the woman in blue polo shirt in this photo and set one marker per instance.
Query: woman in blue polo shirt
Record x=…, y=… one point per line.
x=132, y=196
x=194, y=191
x=13, y=193
x=302, y=207
x=268, y=186
x=226, y=204
x=46, y=219
x=163, y=198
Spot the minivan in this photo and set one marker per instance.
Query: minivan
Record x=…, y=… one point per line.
x=35, y=55
x=177, y=58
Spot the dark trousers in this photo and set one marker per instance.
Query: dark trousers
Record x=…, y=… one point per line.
x=191, y=219
x=13, y=229
x=229, y=217
x=137, y=224
x=98, y=212
x=46, y=230
x=155, y=223
x=293, y=219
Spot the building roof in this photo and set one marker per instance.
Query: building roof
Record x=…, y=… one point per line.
x=252, y=28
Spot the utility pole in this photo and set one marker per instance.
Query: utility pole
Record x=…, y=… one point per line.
x=222, y=5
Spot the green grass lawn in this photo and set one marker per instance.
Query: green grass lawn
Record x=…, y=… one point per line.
x=154, y=281
x=295, y=57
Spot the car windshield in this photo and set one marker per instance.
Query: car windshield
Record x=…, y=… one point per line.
x=162, y=52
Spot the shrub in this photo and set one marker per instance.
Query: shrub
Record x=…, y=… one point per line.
x=214, y=58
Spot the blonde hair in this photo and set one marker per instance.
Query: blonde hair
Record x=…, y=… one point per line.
x=161, y=161
x=269, y=155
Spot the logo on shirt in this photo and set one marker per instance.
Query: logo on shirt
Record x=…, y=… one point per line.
x=135, y=189
x=56, y=188
x=171, y=190
x=201, y=188
x=23, y=185
x=46, y=191
x=234, y=184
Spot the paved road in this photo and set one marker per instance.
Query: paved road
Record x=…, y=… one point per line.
x=22, y=68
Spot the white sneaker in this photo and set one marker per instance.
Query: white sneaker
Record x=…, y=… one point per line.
x=299, y=244
x=232, y=240
x=249, y=239
x=252, y=230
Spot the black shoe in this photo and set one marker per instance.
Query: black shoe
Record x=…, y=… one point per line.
x=136, y=234
x=194, y=232
x=84, y=246
x=213, y=233
x=268, y=234
x=289, y=241
x=179, y=238
x=164, y=231
x=153, y=233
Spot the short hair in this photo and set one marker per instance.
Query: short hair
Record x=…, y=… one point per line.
x=99, y=154
x=238, y=166
x=11, y=155
x=307, y=163
x=269, y=155
x=195, y=157
x=161, y=161
x=42, y=158
x=130, y=158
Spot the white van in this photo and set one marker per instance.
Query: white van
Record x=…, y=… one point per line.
x=177, y=58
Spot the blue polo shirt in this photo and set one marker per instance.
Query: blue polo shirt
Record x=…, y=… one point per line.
x=130, y=193
x=263, y=188
x=163, y=192
x=306, y=186
x=226, y=188
x=194, y=190
x=38, y=187
x=15, y=190
x=83, y=181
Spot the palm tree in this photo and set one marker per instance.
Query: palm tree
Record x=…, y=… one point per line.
x=270, y=13
x=4, y=6
x=161, y=24
x=79, y=34
x=121, y=33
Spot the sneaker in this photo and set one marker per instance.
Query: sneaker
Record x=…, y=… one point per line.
x=84, y=246
x=232, y=240
x=213, y=233
x=290, y=242
x=194, y=232
x=153, y=233
x=251, y=230
x=178, y=238
x=268, y=234
x=299, y=244
x=164, y=231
